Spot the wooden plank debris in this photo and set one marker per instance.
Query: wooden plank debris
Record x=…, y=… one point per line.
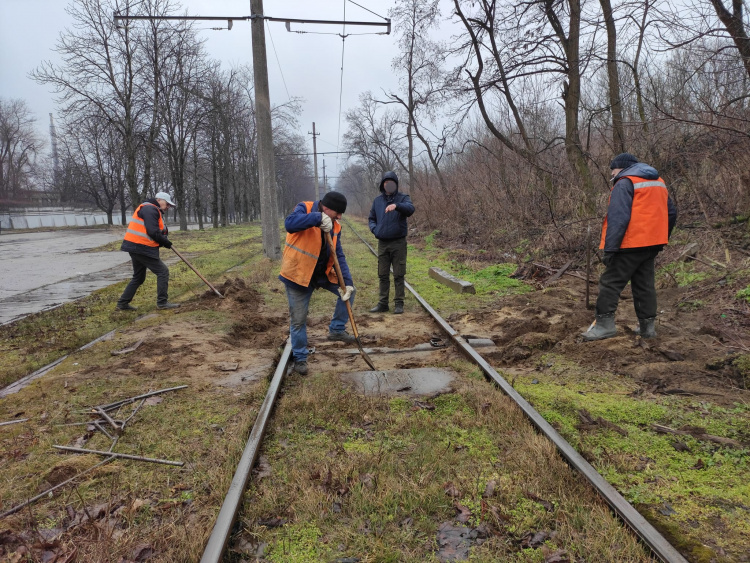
x=457, y=285
x=559, y=272
x=698, y=434
x=124, y=456
x=13, y=421
x=132, y=348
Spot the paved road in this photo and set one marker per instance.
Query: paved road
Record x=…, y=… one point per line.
x=40, y=270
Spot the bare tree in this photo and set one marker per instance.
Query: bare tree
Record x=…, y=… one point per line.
x=183, y=70
x=94, y=163
x=19, y=145
x=528, y=47
x=98, y=73
x=421, y=81
x=375, y=138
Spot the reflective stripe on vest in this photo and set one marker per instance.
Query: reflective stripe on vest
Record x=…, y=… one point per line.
x=301, y=252
x=136, y=232
x=649, y=215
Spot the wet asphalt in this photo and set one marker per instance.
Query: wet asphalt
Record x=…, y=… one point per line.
x=41, y=270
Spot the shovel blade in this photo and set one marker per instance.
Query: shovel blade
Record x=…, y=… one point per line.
x=365, y=357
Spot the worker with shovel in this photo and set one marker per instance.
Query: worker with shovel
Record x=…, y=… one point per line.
x=639, y=220
x=146, y=233
x=308, y=264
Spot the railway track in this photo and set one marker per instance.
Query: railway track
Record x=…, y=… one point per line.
x=219, y=537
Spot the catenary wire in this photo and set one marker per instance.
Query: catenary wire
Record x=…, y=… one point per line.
x=277, y=61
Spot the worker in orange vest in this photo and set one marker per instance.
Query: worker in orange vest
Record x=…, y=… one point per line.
x=146, y=233
x=308, y=265
x=640, y=218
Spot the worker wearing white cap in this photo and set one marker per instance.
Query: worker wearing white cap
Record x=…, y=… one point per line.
x=146, y=233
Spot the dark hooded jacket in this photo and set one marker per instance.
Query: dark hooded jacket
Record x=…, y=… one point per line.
x=389, y=226
x=621, y=204
x=150, y=216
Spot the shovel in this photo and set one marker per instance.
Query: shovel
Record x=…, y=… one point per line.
x=216, y=291
x=367, y=359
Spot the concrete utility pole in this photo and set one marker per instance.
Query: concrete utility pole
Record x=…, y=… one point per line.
x=315, y=159
x=269, y=206
x=324, y=187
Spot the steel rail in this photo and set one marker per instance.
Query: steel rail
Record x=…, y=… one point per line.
x=621, y=507
x=217, y=541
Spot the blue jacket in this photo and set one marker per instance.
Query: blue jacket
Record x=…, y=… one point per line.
x=392, y=225
x=621, y=204
x=299, y=220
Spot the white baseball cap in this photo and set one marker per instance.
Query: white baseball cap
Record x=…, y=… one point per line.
x=166, y=197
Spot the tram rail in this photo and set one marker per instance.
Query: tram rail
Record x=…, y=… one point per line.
x=649, y=535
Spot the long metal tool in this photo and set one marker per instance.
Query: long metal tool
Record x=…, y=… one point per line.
x=367, y=359
x=208, y=283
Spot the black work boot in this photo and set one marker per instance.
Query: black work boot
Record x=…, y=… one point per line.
x=379, y=308
x=398, y=309
x=301, y=367
x=602, y=327
x=341, y=336
x=126, y=307
x=168, y=306
x=646, y=328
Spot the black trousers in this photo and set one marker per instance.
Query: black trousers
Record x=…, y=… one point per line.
x=637, y=268
x=141, y=263
x=391, y=253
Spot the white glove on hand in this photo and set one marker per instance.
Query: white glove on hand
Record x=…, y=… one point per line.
x=325, y=223
x=345, y=295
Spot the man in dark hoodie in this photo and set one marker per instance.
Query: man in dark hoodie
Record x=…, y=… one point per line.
x=640, y=218
x=388, y=223
x=146, y=233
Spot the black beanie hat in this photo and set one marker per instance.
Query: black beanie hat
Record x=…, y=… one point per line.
x=335, y=201
x=623, y=160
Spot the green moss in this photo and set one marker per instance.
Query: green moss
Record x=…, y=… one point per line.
x=298, y=543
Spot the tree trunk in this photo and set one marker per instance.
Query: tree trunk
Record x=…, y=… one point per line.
x=618, y=133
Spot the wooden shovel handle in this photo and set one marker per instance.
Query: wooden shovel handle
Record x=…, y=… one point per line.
x=342, y=284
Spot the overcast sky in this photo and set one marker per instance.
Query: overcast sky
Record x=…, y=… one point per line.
x=308, y=66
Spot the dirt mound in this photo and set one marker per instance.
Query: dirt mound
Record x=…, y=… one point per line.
x=258, y=330
x=234, y=290
x=237, y=290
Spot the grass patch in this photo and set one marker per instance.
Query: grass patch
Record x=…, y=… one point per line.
x=684, y=273
x=648, y=468
x=371, y=477
x=37, y=340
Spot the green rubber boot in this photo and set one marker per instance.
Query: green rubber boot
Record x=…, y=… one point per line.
x=646, y=328
x=602, y=327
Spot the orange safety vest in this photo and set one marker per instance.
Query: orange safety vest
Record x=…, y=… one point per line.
x=136, y=232
x=649, y=216
x=301, y=252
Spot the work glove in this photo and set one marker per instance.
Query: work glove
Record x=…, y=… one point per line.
x=167, y=244
x=608, y=257
x=325, y=223
x=345, y=295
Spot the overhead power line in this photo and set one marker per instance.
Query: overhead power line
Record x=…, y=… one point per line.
x=277, y=61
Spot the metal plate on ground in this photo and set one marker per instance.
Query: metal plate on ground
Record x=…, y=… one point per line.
x=416, y=382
